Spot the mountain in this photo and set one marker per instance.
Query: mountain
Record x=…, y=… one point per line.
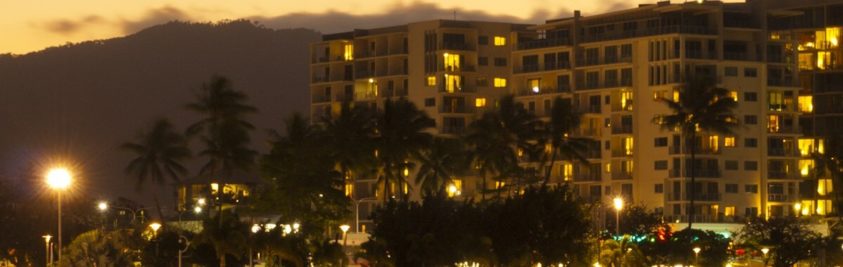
x=81, y=101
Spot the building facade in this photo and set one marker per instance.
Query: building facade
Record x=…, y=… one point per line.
x=779, y=59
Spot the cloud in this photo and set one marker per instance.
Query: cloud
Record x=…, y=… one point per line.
x=154, y=17
x=68, y=27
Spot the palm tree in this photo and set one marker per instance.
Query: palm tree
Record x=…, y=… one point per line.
x=349, y=135
x=438, y=163
x=496, y=138
x=701, y=107
x=227, y=238
x=159, y=153
x=223, y=129
x=557, y=134
x=401, y=132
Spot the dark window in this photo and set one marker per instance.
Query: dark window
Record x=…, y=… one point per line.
x=500, y=62
x=750, y=142
x=429, y=102
x=731, y=71
x=750, y=119
x=626, y=77
x=483, y=61
x=750, y=72
x=731, y=165
x=659, y=189
x=751, y=212
x=483, y=40
x=750, y=165
x=731, y=188
x=660, y=141
x=660, y=165
x=751, y=188
x=750, y=96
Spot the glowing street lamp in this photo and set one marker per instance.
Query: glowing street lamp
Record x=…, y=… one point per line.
x=765, y=251
x=618, y=203
x=344, y=229
x=155, y=226
x=47, y=254
x=59, y=179
x=697, y=255
x=102, y=206
x=197, y=210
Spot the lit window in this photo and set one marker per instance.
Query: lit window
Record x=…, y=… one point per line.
x=729, y=211
x=500, y=184
x=480, y=102
x=535, y=85
x=824, y=186
x=431, y=80
x=628, y=145
x=734, y=95
x=806, y=104
x=455, y=188
x=805, y=167
x=348, y=52
x=453, y=83
x=806, y=146
x=500, y=41
x=567, y=171
x=500, y=82
x=608, y=167
x=349, y=188
x=729, y=141
x=714, y=143
x=774, y=123
x=626, y=100
x=675, y=95
x=451, y=61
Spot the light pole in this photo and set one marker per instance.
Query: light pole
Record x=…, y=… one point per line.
x=47, y=255
x=765, y=251
x=618, y=203
x=697, y=255
x=255, y=229
x=357, y=212
x=59, y=179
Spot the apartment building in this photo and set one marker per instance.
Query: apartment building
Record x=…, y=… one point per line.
x=614, y=67
x=779, y=59
x=453, y=70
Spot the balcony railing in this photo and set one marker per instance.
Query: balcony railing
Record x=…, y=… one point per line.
x=321, y=98
x=698, y=196
x=456, y=46
x=344, y=98
x=776, y=174
x=544, y=90
x=621, y=175
x=705, y=218
x=622, y=129
x=735, y=55
x=699, y=54
x=778, y=197
x=593, y=154
x=699, y=173
x=542, y=43
x=601, y=61
x=457, y=69
x=648, y=32
x=590, y=109
x=699, y=150
x=545, y=67
x=621, y=153
x=781, y=152
x=587, y=177
x=782, y=82
x=458, y=89
x=458, y=109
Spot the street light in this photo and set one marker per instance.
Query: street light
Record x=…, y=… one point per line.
x=797, y=208
x=59, y=179
x=765, y=251
x=102, y=206
x=47, y=254
x=154, y=226
x=697, y=255
x=618, y=203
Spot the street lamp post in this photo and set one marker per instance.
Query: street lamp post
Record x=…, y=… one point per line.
x=357, y=212
x=59, y=180
x=697, y=255
x=47, y=254
x=255, y=229
x=765, y=251
x=618, y=203
x=344, y=228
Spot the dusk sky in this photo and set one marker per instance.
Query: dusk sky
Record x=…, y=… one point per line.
x=29, y=26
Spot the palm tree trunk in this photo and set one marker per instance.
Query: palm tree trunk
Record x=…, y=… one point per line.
x=549, y=170
x=483, y=190
x=693, y=189
x=222, y=260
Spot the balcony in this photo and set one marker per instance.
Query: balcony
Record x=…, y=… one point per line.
x=782, y=82
x=395, y=92
x=586, y=177
x=596, y=109
x=589, y=132
x=319, y=79
x=344, y=98
x=648, y=32
x=456, y=109
x=705, y=150
x=545, y=67
x=621, y=175
x=593, y=154
x=699, y=173
x=782, y=130
x=544, y=90
x=621, y=153
x=742, y=56
x=699, y=196
x=778, y=197
x=778, y=174
x=542, y=43
x=699, y=54
x=622, y=129
x=463, y=68
x=321, y=98
x=602, y=61
x=458, y=89
x=781, y=152
x=456, y=46
x=453, y=129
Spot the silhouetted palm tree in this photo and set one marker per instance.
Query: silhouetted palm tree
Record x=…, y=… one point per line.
x=224, y=131
x=557, y=133
x=701, y=107
x=438, y=163
x=497, y=137
x=228, y=237
x=349, y=135
x=401, y=132
x=159, y=153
